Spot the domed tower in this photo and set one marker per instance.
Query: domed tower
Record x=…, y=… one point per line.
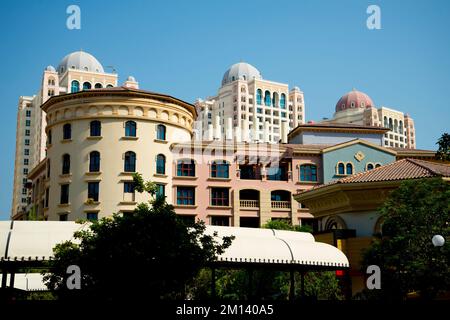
x=80, y=60
x=351, y=107
x=241, y=71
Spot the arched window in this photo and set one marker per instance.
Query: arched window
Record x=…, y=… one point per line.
x=98, y=86
x=94, y=161
x=395, y=126
x=391, y=125
x=369, y=166
x=400, y=127
x=130, y=129
x=283, y=101
x=349, y=168
x=130, y=161
x=96, y=128
x=385, y=122
x=186, y=168
x=220, y=169
x=66, y=164
x=161, y=132
x=275, y=99
x=308, y=172
x=259, y=96
x=75, y=86
x=377, y=165
x=341, y=168
x=86, y=86
x=67, y=131
x=161, y=164
x=267, y=100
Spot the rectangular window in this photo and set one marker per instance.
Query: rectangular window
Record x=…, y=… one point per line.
x=28, y=113
x=27, y=123
x=25, y=170
x=93, y=190
x=24, y=191
x=24, y=200
x=92, y=216
x=220, y=221
x=186, y=196
x=25, y=162
x=128, y=187
x=26, y=152
x=27, y=132
x=186, y=168
x=64, y=197
x=47, y=195
x=27, y=142
x=63, y=217
x=220, y=197
x=160, y=190
x=188, y=220
x=308, y=172
x=220, y=169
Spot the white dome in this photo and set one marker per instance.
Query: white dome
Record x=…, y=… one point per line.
x=80, y=60
x=50, y=68
x=241, y=70
x=131, y=78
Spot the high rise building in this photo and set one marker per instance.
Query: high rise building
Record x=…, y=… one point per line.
x=77, y=71
x=249, y=108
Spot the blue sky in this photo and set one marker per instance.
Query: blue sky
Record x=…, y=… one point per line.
x=183, y=48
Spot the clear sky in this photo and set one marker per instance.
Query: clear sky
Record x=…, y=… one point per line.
x=183, y=48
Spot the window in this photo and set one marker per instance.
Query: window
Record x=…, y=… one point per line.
x=378, y=165
x=220, y=197
x=161, y=164
x=87, y=86
x=28, y=113
x=267, y=100
x=49, y=137
x=160, y=191
x=220, y=169
x=94, y=161
x=95, y=128
x=308, y=172
x=369, y=166
x=27, y=132
x=27, y=123
x=130, y=162
x=93, y=190
x=130, y=129
x=186, y=168
x=186, y=196
x=128, y=187
x=27, y=142
x=75, y=87
x=349, y=168
x=161, y=132
x=47, y=195
x=92, y=216
x=64, y=197
x=66, y=164
x=67, y=131
x=98, y=86
x=63, y=217
x=220, y=221
x=26, y=162
x=283, y=101
x=109, y=86
x=341, y=168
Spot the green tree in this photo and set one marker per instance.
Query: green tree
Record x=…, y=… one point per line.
x=409, y=262
x=151, y=250
x=443, y=153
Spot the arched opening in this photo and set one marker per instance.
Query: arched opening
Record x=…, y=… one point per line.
x=94, y=161
x=67, y=131
x=249, y=198
x=395, y=126
x=280, y=199
x=186, y=168
x=65, y=164
x=275, y=99
x=75, y=86
x=161, y=164
x=267, y=99
x=259, y=96
x=349, y=168
x=334, y=223
x=161, y=132
x=87, y=86
x=130, y=162
x=283, y=101
x=130, y=129
x=369, y=166
x=341, y=168
x=98, y=86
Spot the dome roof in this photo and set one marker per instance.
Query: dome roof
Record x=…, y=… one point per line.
x=131, y=78
x=354, y=99
x=80, y=60
x=241, y=70
x=50, y=68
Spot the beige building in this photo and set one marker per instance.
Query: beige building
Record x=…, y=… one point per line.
x=356, y=107
x=97, y=139
x=77, y=71
x=249, y=108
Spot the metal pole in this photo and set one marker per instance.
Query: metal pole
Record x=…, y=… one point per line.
x=292, y=287
x=11, y=279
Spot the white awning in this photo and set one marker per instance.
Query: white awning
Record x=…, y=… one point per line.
x=35, y=240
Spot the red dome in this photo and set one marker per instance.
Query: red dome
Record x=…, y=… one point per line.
x=354, y=99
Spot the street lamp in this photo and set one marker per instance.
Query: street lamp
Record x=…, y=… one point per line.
x=438, y=240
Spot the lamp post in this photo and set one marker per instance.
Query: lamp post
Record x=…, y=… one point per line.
x=438, y=240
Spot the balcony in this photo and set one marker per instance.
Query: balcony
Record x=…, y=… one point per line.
x=249, y=203
x=281, y=204
x=250, y=172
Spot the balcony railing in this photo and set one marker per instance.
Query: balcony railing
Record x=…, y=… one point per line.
x=249, y=203
x=281, y=204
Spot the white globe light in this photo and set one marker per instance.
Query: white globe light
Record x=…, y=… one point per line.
x=438, y=240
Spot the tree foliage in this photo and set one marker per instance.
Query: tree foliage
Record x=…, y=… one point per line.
x=443, y=153
x=409, y=262
x=149, y=251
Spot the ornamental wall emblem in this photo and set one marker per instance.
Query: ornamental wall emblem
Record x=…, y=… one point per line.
x=359, y=156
